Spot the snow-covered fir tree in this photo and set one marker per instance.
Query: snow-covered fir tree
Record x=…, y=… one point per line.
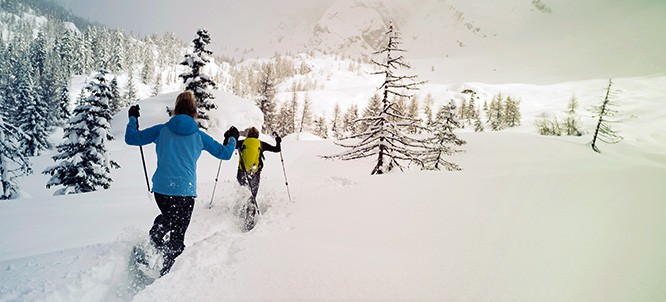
x=130, y=89
x=306, y=115
x=64, y=103
x=83, y=162
x=462, y=112
x=444, y=141
x=290, y=109
x=478, y=124
x=413, y=113
x=66, y=51
x=197, y=81
x=512, y=113
x=373, y=108
x=604, y=113
x=116, y=61
x=266, y=98
x=157, y=87
x=148, y=69
x=34, y=116
x=337, y=122
x=13, y=162
x=496, y=113
x=282, y=119
x=321, y=127
x=472, y=112
x=349, y=121
x=117, y=102
x=427, y=109
x=386, y=136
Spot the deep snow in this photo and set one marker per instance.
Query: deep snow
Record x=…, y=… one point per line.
x=529, y=218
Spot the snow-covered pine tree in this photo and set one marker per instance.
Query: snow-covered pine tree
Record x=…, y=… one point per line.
x=84, y=163
x=496, y=113
x=306, y=115
x=130, y=88
x=64, y=45
x=148, y=69
x=33, y=117
x=157, y=87
x=117, y=60
x=321, y=127
x=38, y=54
x=282, y=120
x=197, y=81
x=266, y=97
x=413, y=113
x=337, y=122
x=373, y=108
x=572, y=123
x=472, y=111
x=427, y=109
x=117, y=102
x=13, y=162
x=386, y=136
x=603, y=131
x=443, y=142
x=349, y=121
x=63, y=103
x=462, y=112
x=400, y=105
x=478, y=124
x=293, y=109
x=512, y=114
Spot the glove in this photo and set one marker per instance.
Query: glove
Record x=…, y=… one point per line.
x=278, y=140
x=134, y=111
x=232, y=132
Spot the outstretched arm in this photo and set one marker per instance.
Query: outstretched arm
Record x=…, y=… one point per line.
x=136, y=137
x=223, y=152
x=268, y=147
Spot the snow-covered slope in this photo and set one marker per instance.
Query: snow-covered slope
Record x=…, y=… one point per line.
x=529, y=218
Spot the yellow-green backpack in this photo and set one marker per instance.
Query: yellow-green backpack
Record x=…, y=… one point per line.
x=250, y=152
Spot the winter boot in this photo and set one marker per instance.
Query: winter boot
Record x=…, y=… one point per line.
x=169, y=260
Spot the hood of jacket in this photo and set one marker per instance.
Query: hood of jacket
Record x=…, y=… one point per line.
x=182, y=124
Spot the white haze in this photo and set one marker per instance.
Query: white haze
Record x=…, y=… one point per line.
x=516, y=42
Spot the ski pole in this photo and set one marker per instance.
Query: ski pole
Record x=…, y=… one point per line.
x=143, y=159
x=210, y=205
x=286, y=183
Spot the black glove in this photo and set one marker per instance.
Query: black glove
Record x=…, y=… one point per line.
x=278, y=139
x=134, y=111
x=232, y=132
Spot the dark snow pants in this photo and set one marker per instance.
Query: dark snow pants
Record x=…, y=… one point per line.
x=174, y=220
x=253, y=178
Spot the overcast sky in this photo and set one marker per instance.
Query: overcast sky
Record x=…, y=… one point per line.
x=223, y=18
x=630, y=32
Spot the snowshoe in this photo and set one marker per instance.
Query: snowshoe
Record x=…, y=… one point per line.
x=250, y=216
x=145, y=263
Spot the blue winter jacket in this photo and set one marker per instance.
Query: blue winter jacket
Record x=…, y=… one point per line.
x=178, y=144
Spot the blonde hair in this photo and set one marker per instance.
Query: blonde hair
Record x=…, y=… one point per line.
x=186, y=103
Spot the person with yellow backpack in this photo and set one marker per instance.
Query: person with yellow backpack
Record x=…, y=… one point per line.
x=250, y=163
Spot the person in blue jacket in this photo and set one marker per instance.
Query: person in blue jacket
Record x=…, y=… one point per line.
x=178, y=144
